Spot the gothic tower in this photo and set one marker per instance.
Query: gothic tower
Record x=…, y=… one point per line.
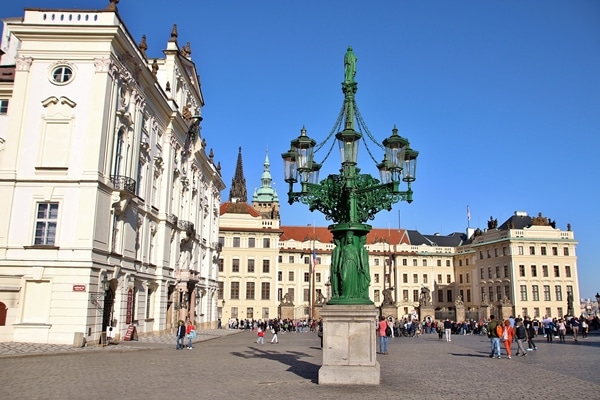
x=238, y=193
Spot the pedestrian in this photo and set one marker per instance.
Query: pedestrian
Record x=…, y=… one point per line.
x=190, y=333
x=261, y=336
x=440, y=329
x=448, y=329
x=492, y=333
x=275, y=331
x=584, y=328
x=180, y=335
x=507, y=337
x=521, y=335
x=575, y=327
x=382, y=326
x=548, y=329
x=562, y=330
x=531, y=333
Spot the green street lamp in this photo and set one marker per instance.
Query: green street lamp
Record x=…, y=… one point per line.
x=350, y=198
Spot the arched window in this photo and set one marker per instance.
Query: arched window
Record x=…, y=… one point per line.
x=3, y=310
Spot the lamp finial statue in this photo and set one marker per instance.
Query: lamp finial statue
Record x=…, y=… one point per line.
x=349, y=65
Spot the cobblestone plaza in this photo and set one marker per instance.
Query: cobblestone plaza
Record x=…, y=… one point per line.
x=233, y=366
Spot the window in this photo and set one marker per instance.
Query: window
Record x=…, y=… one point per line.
x=566, y=251
x=523, y=291
x=424, y=262
x=545, y=271
x=221, y=264
x=535, y=293
x=468, y=295
x=520, y=249
x=291, y=259
x=376, y=278
x=251, y=242
x=570, y=290
x=424, y=278
x=404, y=278
x=521, y=270
x=505, y=251
x=533, y=271
x=235, y=290
x=404, y=262
x=405, y=295
x=414, y=262
x=222, y=241
x=376, y=261
x=376, y=296
x=3, y=106
x=279, y=276
x=439, y=280
x=280, y=259
x=306, y=277
x=558, y=292
x=250, y=312
x=415, y=295
x=497, y=271
x=507, y=291
x=415, y=278
x=439, y=263
x=266, y=243
x=543, y=250
x=482, y=294
x=489, y=255
x=291, y=276
x=440, y=296
x=306, y=294
x=265, y=291
x=318, y=277
x=560, y=312
x=149, y=301
x=506, y=271
x=532, y=250
x=555, y=251
x=235, y=265
x=250, y=290
x=45, y=224
x=265, y=313
x=498, y=293
x=236, y=241
x=556, y=271
x=266, y=266
x=468, y=277
x=549, y=312
x=495, y=252
x=481, y=255
x=307, y=260
x=221, y=286
x=567, y=271
x=449, y=295
x=482, y=273
x=448, y=278
x=448, y=263
x=460, y=278
x=387, y=278
x=489, y=272
x=62, y=74
x=251, y=265
x=291, y=293
x=536, y=312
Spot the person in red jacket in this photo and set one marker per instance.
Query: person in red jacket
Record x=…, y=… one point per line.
x=507, y=337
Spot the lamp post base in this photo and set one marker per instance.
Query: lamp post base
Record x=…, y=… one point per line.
x=349, y=345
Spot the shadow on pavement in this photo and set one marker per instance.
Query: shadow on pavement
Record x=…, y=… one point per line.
x=292, y=359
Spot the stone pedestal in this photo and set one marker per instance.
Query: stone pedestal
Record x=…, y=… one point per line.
x=505, y=310
x=389, y=309
x=425, y=311
x=287, y=311
x=349, y=345
x=460, y=312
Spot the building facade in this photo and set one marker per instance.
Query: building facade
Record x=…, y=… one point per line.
x=526, y=263
x=111, y=199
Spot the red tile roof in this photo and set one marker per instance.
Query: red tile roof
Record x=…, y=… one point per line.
x=323, y=235
x=238, y=208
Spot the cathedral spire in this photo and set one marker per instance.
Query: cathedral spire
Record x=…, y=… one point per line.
x=238, y=183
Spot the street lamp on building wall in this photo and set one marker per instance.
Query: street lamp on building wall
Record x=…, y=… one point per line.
x=350, y=198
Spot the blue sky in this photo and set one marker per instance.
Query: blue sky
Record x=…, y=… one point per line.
x=501, y=98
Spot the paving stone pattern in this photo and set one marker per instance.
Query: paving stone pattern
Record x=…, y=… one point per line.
x=234, y=366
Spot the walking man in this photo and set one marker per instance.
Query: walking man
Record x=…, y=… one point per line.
x=448, y=329
x=494, y=338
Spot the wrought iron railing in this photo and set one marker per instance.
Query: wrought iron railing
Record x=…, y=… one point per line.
x=123, y=183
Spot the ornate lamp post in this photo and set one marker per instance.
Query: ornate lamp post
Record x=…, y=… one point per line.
x=350, y=198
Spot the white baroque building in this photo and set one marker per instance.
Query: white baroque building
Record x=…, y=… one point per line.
x=110, y=201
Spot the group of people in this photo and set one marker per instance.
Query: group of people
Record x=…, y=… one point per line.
x=286, y=325
x=185, y=330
